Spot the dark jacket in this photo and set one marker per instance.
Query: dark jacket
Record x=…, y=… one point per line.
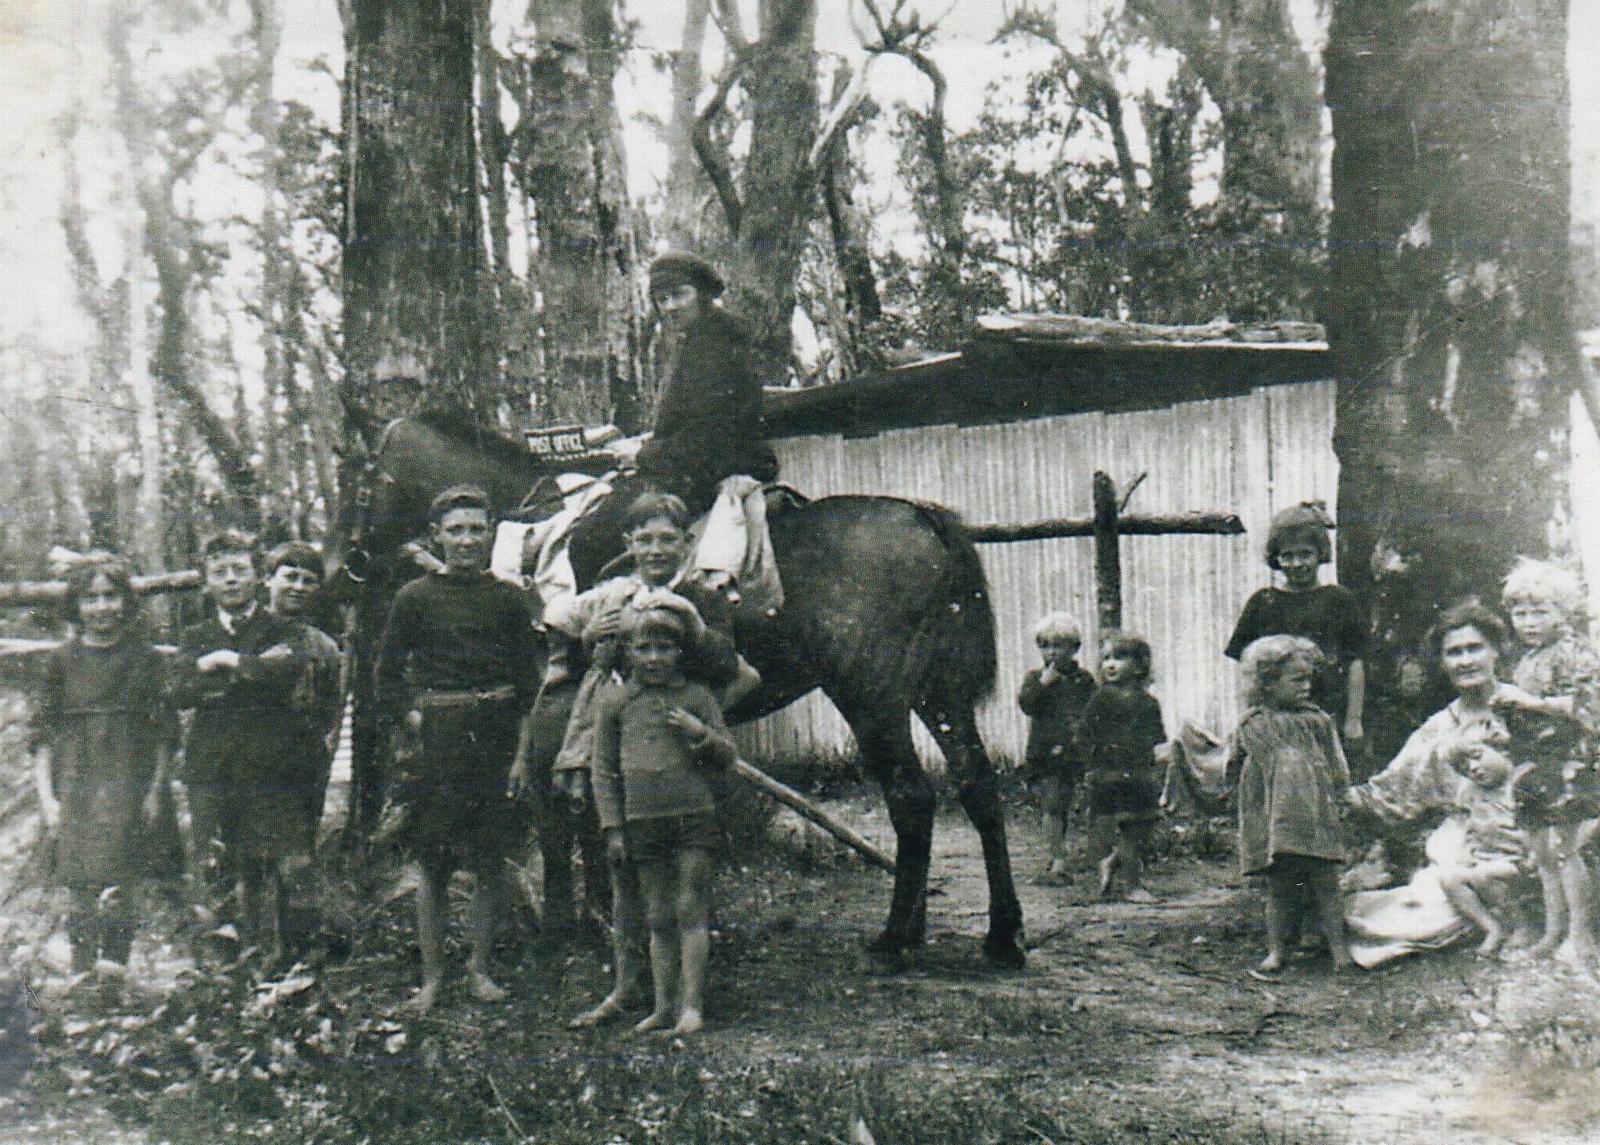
x=708, y=422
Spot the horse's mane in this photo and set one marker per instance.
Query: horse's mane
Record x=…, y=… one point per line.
x=469, y=431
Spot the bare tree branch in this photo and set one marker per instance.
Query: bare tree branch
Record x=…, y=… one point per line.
x=713, y=158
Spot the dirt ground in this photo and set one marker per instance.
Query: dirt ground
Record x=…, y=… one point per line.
x=1131, y=1022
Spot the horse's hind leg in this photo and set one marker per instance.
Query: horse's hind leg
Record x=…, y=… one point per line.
x=883, y=735
x=956, y=732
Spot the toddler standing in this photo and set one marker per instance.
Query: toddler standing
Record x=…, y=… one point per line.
x=1120, y=732
x=1557, y=679
x=1291, y=776
x=1053, y=698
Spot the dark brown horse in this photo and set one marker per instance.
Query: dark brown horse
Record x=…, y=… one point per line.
x=887, y=611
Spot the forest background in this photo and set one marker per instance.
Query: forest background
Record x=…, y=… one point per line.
x=183, y=341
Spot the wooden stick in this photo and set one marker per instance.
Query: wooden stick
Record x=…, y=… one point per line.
x=1161, y=525
x=789, y=797
x=25, y=592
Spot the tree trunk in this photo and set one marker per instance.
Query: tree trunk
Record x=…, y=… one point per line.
x=415, y=267
x=779, y=189
x=687, y=188
x=1448, y=316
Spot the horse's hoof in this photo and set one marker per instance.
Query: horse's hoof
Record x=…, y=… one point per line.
x=1005, y=952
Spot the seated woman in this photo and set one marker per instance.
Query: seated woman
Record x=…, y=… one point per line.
x=1427, y=777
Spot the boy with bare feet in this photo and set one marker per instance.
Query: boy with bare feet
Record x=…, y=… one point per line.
x=1481, y=888
x=657, y=739
x=457, y=666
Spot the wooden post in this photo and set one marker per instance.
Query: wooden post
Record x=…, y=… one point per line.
x=1107, y=553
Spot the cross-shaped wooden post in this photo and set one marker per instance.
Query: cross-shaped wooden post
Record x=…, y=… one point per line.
x=1108, y=526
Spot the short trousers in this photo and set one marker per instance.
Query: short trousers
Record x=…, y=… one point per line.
x=658, y=840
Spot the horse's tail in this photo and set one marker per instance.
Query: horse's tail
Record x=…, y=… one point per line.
x=962, y=661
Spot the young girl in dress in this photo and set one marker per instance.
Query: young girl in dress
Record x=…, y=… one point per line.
x=1291, y=775
x=104, y=729
x=1325, y=614
x=1120, y=731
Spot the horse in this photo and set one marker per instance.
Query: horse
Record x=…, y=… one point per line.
x=886, y=611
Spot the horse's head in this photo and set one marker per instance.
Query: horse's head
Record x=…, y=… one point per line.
x=408, y=464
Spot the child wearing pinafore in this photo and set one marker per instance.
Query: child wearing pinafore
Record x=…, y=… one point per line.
x=1290, y=776
x=105, y=728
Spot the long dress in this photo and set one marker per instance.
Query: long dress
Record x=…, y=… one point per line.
x=105, y=716
x=1292, y=776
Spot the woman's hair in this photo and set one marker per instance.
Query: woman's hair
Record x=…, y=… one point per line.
x=1543, y=582
x=1130, y=647
x=1488, y=624
x=648, y=506
x=1305, y=523
x=1266, y=659
x=116, y=571
x=1057, y=627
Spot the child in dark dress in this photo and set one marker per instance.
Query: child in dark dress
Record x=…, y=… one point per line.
x=105, y=730
x=1325, y=614
x=1053, y=698
x=1121, y=729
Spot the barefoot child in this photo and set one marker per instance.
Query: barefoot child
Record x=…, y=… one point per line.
x=1558, y=678
x=588, y=634
x=657, y=740
x=1291, y=775
x=1120, y=731
x=1053, y=698
x=105, y=728
x=1497, y=851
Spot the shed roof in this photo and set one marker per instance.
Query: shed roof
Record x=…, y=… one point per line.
x=1020, y=366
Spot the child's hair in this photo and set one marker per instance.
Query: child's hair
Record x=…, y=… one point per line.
x=459, y=497
x=229, y=542
x=648, y=506
x=1057, y=628
x=1130, y=647
x=116, y=570
x=1543, y=582
x=1460, y=755
x=1266, y=659
x=660, y=611
x=296, y=554
x=1306, y=523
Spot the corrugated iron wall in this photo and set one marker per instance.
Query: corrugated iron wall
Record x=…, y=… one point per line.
x=1252, y=455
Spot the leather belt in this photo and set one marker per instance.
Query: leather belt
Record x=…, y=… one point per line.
x=463, y=699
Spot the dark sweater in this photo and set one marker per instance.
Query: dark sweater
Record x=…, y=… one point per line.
x=450, y=633
x=1054, y=713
